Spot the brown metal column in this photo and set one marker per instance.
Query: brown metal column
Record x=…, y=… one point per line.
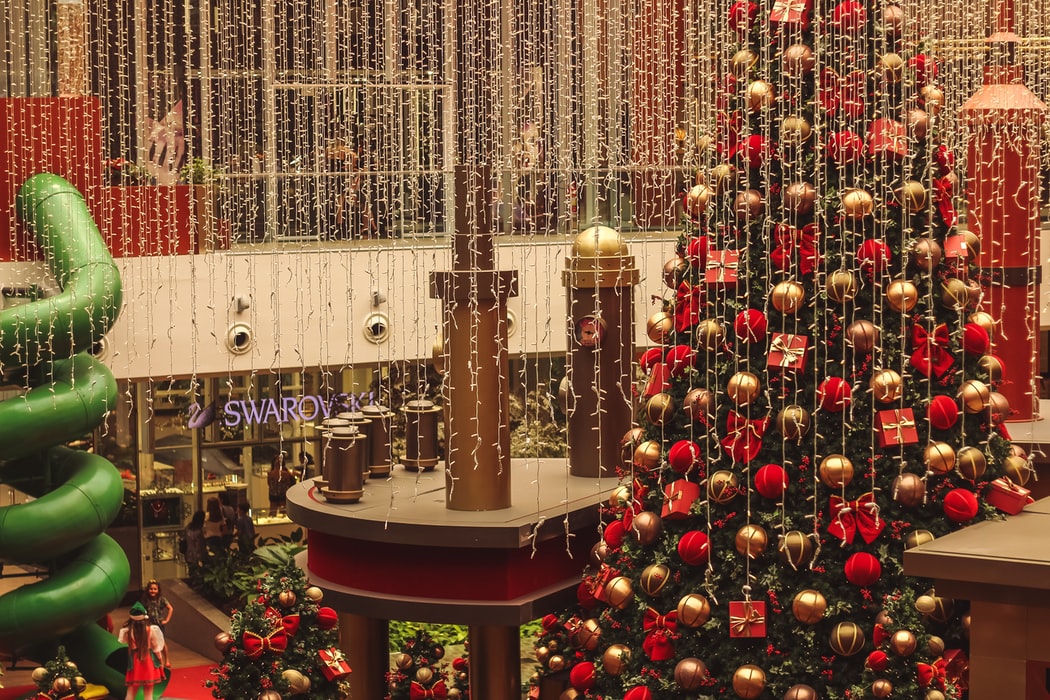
x=495, y=662
x=366, y=642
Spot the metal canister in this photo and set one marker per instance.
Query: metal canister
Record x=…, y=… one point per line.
x=421, y=435
x=364, y=426
x=317, y=444
x=379, y=461
x=342, y=452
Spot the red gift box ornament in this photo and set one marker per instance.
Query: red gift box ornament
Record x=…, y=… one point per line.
x=659, y=634
x=721, y=269
x=255, y=645
x=791, y=12
x=1007, y=496
x=679, y=496
x=896, y=427
x=333, y=664
x=788, y=351
x=747, y=619
x=851, y=517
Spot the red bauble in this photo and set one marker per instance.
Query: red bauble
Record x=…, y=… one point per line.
x=742, y=15
x=877, y=661
x=684, y=456
x=680, y=359
x=696, y=250
x=845, y=147
x=771, y=481
x=925, y=68
x=945, y=159
x=750, y=326
x=943, y=412
x=874, y=256
x=975, y=339
x=327, y=618
x=638, y=692
x=754, y=150
x=849, y=16
x=694, y=548
x=614, y=533
x=862, y=569
x=650, y=357
x=960, y=505
x=582, y=676
x=834, y=394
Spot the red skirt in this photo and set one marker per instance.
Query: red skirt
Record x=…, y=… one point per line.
x=143, y=671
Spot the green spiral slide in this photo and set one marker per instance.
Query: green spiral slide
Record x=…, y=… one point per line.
x=45, y=345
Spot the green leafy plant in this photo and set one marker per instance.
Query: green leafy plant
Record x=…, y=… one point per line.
x=199, y=171
x=121, y=172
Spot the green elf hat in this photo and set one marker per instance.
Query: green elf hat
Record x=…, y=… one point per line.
x=138, y=612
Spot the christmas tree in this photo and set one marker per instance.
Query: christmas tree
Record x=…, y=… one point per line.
x=283, y=642
x=418, y=671
x=821, y=397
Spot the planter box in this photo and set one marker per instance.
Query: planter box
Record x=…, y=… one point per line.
x=145, y=220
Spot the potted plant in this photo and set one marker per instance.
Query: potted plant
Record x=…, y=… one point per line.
x=203, y=177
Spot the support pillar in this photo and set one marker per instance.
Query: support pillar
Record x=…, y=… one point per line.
x=495, y=662
x=366, y=641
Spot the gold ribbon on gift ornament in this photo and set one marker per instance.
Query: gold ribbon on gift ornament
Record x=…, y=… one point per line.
x=902, y=423
x=721, y=266
x=741, y=624
x=788, y=355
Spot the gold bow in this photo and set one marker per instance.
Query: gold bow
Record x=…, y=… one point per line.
x=902, y=423
x=721, y=266
x=742, y=623
x=788, y=355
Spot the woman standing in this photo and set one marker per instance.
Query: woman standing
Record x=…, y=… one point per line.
x=193, y=539
x=146, y=655
x=214, y=525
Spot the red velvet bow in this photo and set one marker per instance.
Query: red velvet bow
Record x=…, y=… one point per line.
x=851, y=517
x=255, y=645
x=417, y=692
x=290, y=623
x=658, y=633
x=789, y=239
x=943, y=187
x=933, y=674
x=687, y=304
x=930, y=354
x=879, y=635
x=957, y=668
x=745, y=436
x=846, y=92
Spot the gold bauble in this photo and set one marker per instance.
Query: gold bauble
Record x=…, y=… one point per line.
x=751, y=540
x=903, y=643
x=646, y=527
x=541, y=654
x=659, y=326
x=882, y=688
x=890, y=67
x=647, y=455
x=749, y=681
x=975, y=395
x=619, y=592
x=743, y=388
x=797, y=60
x=269, y=695
x=760, y=95
x=314, y=593
x=964, y=621
x=694, y=610
x=587, y=635
x=425, y=674
x=723, y=177
x=993, y=366
x=836, y=471
x=620, y=496
x=742, y=61
x=749, y=205
x=615, y=659
x=847, y=638
x=892, y=19
x=793, y=422
x=697, y=199
x=690, y=673
x=935, y=645
x=954, y=294
x=808, y=606
x=673, y=270
x=722, y=486
x=934, y=99
x=841, y=286
x=971, y=462
x=974, y=293
x=795, y=131
x=223, y=641
x=697, y=405
x=984, y=320
x=883, y=618
x=934, y=694
x=800, y=692
x=936, y=608
x=926, y=254
x=599, y=553
x=61, y=685
x=799, y=197
x=788, y=296
x=40, y=673
x=629, y=443
x=912, y=196
x=710, y=335
x=918, y=121
x=939, y=458
x=660, y=408
x=795, y=548
x=1017, y=469
x=298, y=684
x=556, y=663
x=567, y=694
x=437, y=355
x=902, y=295
x=886, y=386
x=80, y=684
x=654, y=578
x=286, y=598
x=404, y=661
x=862, y=336
x=857, y=203
x=998, y=409
x=909, y=489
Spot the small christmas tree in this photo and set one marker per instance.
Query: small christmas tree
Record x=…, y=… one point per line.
x=58, y=679
x=283, y=642
x=417, y=666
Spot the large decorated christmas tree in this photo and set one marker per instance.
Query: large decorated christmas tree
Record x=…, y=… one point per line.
x=821, y=396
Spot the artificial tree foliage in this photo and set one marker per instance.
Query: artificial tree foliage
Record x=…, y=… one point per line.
x=825, y=180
